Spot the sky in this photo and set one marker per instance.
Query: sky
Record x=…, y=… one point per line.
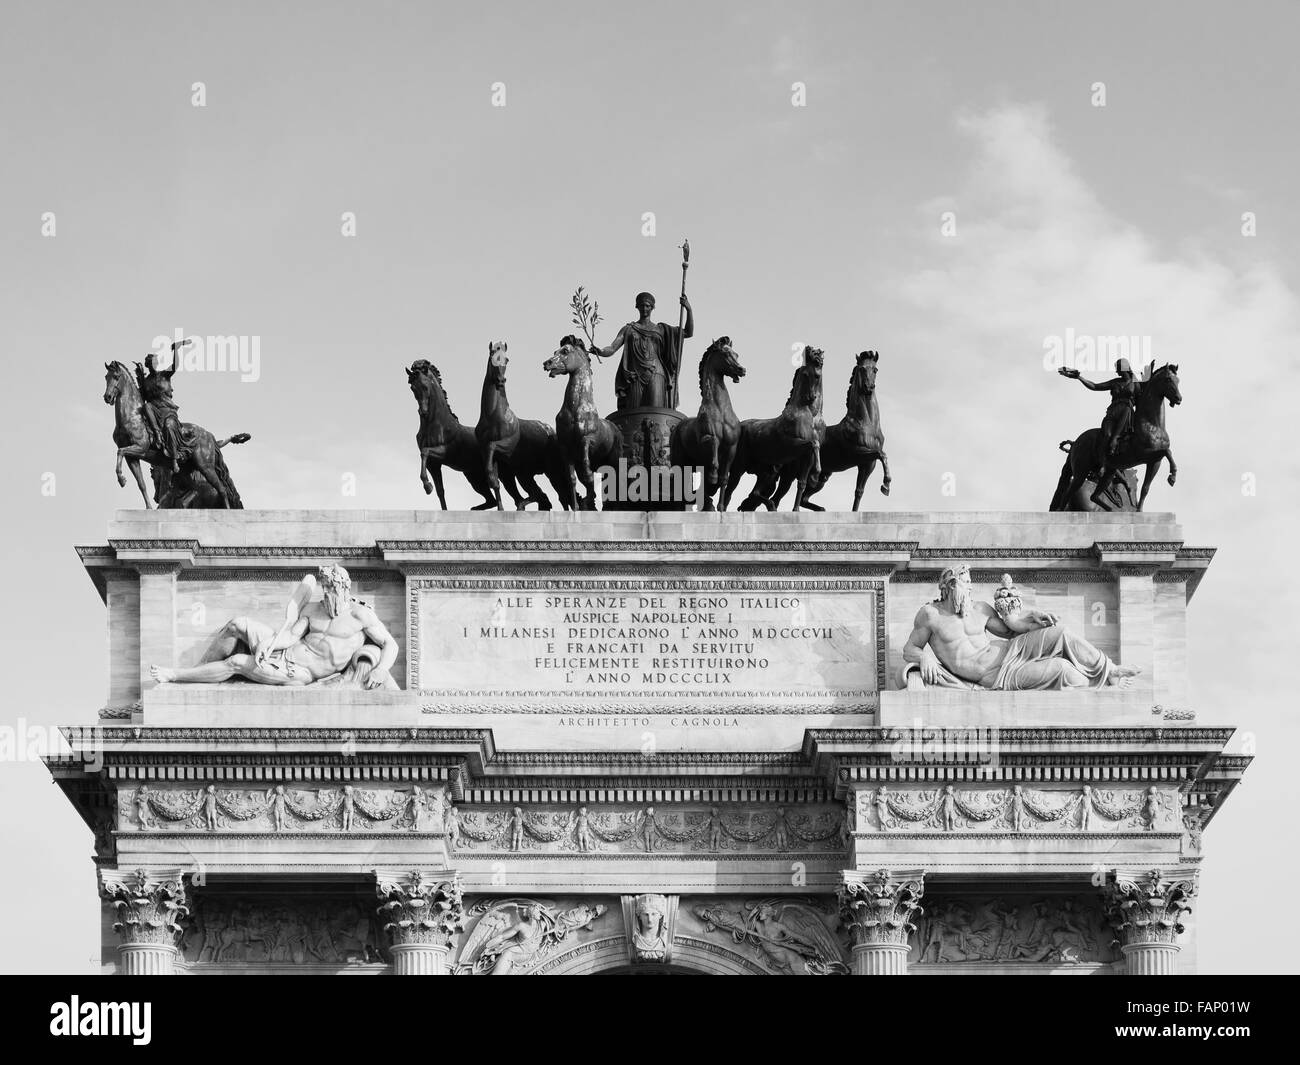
x=950, y=194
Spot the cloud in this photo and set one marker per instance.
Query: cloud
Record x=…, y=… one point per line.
x=1037, y=253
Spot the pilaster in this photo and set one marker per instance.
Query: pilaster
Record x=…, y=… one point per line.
x=878, y=908
x=150, y=907
x=421, y=917
x=1146, y=911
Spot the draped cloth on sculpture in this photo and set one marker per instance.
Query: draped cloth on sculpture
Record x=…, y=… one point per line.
x=1050, y=659
x=647, y=373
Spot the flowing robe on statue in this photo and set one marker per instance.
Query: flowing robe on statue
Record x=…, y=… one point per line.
x=647, y=373
x=1050, y=659
x=1047, y=659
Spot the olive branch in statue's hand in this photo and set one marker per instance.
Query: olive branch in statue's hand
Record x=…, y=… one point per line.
x=586, y=316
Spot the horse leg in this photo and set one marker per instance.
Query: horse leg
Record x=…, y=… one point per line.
x=711, y=473
x=733, y=479
x=512, y=490
x=1173, y=467
x=1077, y=477
x=493, y=478
x=210, y=475
x=424, y=473
x=783, y=486
x=535, y=493
x=864, y=471
x=812, y=469
x=1150, y=476
x=1103, y=485
x=724, y=477
x=815, y=486
x=436, y=469
x=574, y=498
x=138, y=473
x=478, y=482
x=884, y=467
x=764, y=484
x=134, y=452
x=588, y=482
x=1060, y=499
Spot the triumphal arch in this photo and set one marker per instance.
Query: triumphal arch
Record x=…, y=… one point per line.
x=647, y=743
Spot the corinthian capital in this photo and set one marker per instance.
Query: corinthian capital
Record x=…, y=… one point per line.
x=1147, y=908
x=420, y=910
x=150, y=905
x=877, y=907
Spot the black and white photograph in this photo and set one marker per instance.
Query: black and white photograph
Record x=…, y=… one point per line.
x=731, y=488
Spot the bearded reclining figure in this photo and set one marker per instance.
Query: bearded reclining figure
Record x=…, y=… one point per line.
x=335, y=641
x=957, y=642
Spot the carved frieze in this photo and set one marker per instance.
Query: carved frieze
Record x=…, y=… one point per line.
x=1056, y=930
x=284, y=930
x=511, y=937
x=788, y=936
x=278, y=808
x=1019, y=809
x=713, y=829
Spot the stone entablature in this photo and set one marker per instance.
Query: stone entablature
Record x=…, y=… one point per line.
x=723, y=824
x=814, y=612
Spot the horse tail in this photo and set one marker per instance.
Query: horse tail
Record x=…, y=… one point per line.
x=232, y=494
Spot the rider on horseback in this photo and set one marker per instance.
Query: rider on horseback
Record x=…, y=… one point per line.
x=1123, y=391
x=160, y=411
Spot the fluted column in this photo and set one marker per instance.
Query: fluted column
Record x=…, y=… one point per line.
x=877, y=909
x=421, y=916
x=1146, y=910
x=150, y=908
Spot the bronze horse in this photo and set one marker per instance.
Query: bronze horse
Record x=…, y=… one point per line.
x=711, y=438
x=793, y=437
x=857, y=440
x=525, y=448
x=187, y=489
x=587, y=441
x=444, y=441
x=134, y=443
x=1146, y=443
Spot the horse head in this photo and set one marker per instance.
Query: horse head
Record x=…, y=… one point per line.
x=569, y=358
x=497, y=363
x=426, y=386
x=117, y=379
x=809, y=375
x=722, y=356
x=1165, y=383
x=865, y=370
x=415, y=377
